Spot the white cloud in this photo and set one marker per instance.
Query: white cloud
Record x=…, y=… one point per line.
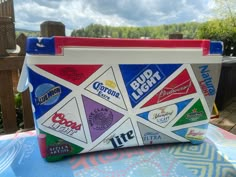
x=80, y=13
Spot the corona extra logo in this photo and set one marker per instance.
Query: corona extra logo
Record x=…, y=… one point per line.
x=106, y=90
x=111, y=84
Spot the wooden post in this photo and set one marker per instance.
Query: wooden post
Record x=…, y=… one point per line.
x=21, y=42
x=52, y=28
x=7, y=34
x=7, y=9
x=7, y=102
x=176, y=36
x=27, y=110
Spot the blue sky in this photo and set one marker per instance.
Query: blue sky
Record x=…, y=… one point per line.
x=80, y=13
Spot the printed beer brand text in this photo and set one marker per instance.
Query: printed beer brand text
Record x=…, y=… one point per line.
x=100, y=119
x=149, y=137
x=105, y=91
x=62, y=125
x=206, y=84
x=143, y=83
x=71, y=73
x=58, y=149
x=55, y=91
x=162, y=117
x=120, y=140
x=194, y=115
x=179, y=89
x=195, y=134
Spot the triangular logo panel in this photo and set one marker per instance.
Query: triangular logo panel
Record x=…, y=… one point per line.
x=180, y=86
x=75, y=74
x=46, y=93
x=106, y=87
x=67, y=121
x=151, y=136
x=208, y=78
x=163, y=116
x=123, y=136
x=53, y=148
x=194, y=134
x=100, y=118
x=141, y=80
x=194, y=114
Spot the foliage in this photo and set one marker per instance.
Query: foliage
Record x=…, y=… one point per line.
x=155, y=32
x=27, y=33
x=220, y=30
x=226, y=9
x=19, y=113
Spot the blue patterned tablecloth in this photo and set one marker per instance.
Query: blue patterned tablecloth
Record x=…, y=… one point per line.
x=216, y=157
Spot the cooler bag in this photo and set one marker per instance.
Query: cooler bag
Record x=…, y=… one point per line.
x=92, y=94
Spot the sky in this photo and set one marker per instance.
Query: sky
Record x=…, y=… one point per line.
x=75, y=14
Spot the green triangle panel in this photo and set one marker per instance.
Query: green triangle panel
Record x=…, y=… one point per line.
x=194, y=114
x=53, y=148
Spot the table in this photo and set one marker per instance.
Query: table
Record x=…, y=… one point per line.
x=216, y=157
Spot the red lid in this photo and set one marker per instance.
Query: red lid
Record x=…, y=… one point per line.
x=61, y=42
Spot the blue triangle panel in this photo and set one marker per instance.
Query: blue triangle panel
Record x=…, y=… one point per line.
x=141, y=80
x=46, y=93
x=182, y=105
x=144, y=115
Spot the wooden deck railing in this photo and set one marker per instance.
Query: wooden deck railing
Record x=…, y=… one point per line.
x=7, y=9
x=9, y=65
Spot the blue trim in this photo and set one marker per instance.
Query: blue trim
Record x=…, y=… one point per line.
x=37, y=45
x=216, y=47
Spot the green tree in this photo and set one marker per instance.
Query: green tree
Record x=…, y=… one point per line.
x=226, y=9
x=220, y=30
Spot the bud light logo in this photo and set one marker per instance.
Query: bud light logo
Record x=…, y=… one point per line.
x=207, y=83
x=143, y=83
